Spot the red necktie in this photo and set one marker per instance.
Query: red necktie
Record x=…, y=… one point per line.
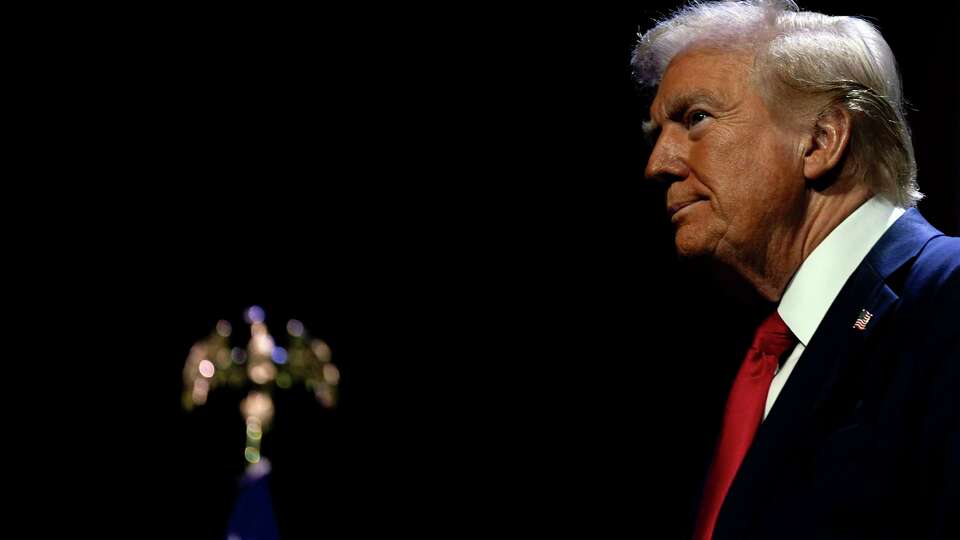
x=742, y=416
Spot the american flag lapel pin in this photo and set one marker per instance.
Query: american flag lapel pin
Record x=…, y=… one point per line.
x=862, y=320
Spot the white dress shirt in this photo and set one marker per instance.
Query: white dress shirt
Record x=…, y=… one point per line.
x=823, y=273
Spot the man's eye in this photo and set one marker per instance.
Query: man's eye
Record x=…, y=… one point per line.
x=695, y=118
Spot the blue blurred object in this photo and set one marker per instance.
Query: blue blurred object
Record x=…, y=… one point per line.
x=252, y=517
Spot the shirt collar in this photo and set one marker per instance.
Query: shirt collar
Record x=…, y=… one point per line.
x=823, y=273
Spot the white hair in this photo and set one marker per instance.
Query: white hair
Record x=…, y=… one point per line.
x=810, y=57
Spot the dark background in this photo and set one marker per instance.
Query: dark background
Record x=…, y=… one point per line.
x=454, y=201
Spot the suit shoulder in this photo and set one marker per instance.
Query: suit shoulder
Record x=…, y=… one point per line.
x=936, y=268
x=930, y=295
x=929, y=286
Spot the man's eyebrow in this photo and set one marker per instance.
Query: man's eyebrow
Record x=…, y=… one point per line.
x=678, y=104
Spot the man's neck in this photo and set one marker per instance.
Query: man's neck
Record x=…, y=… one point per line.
x=789, y=248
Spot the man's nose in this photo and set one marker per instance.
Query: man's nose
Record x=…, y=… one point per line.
x=667, y=163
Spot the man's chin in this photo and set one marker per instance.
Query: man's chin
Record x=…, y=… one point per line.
x=690, y=246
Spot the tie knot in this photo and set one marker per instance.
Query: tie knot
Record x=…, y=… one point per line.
x=773, y=336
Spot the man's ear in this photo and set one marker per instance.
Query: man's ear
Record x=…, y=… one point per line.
x=828, y=142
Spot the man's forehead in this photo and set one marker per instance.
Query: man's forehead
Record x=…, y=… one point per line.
x=704, y=76
x=711, y=60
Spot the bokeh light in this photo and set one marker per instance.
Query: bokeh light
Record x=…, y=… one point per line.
x=254, y=314
x=262, y=373
x=295, y=328
x=206, y=368
x=331, y=374
x=224, y=329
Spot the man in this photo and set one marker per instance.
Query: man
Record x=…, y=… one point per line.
x=781, y=137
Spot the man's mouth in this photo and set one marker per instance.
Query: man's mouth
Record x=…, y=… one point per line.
x=674, y=209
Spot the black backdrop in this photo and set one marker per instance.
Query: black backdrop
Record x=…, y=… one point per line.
x=455, y=202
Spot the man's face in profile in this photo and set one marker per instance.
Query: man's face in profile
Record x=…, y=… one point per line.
x=735, y=174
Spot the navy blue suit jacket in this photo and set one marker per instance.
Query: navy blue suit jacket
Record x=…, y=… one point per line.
x=864, y=440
